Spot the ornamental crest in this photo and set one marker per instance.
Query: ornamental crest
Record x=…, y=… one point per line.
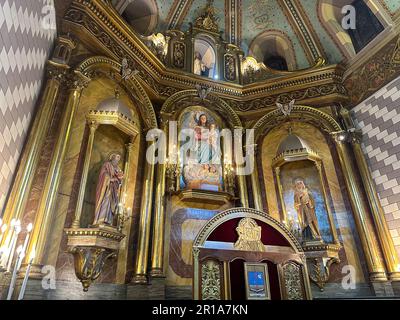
x=249, y=236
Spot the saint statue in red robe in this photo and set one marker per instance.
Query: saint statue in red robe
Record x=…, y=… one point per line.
x=107, y=192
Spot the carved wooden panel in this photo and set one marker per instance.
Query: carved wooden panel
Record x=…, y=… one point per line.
x=292, y=281
x=211, y=279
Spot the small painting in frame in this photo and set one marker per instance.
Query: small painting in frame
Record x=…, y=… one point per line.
x=257, y=281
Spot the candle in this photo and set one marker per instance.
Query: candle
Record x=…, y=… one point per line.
x=28, y=232
x=25, y=282
x=16, y=268
x=3, y=230
x=11, y=251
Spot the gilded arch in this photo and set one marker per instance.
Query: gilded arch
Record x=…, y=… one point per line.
x=300, y=113
x=180, y=100
x=230, y=214
x=97, y=66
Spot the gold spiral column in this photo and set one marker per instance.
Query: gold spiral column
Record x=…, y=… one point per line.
x=142, y=254
x=360, y=210
x=385, y=240
x=35, y=141
x=157, y=251
x=79, y=204
x=45, y=211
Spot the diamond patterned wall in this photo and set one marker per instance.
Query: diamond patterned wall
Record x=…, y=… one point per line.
x=27, y=33
x=379, y=119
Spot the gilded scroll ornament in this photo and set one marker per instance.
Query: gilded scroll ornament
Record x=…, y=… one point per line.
x=249, y=236
x=208, y=20
x=210, y=280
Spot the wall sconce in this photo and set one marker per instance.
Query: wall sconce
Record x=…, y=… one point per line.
x=172, y=173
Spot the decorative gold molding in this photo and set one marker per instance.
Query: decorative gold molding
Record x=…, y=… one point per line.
x=205, y=196
x=100, y=66
x=103, y=27
x=319, y=118
x=114, y=118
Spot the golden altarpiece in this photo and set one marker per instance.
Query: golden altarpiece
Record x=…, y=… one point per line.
x=308, y=208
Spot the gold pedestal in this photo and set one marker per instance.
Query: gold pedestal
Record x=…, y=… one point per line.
x=320, y=256
x=91, y=248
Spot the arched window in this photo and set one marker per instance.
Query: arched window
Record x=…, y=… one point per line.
x=369, y=23
x=367, y=26
x=204, y=63
x=276, y=62
x=274, y=49
x=142, y=15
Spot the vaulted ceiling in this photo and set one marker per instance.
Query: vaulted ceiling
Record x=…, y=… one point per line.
x=301, y=25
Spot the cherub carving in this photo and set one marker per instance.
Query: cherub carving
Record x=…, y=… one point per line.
x=203, y=91
x=126, y=72
x=286, y=109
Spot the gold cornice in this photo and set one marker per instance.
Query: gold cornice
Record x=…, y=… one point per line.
x=114, y=118
x=162, y=82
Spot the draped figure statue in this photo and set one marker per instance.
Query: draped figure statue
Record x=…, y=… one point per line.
x=107, y=192
x=305, y=206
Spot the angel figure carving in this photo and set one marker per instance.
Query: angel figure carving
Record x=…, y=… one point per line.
x=126, y=72
x=203, y=91
x=286, y=109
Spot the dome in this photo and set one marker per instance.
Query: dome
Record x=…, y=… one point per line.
x=115, y=105
x=292, y=142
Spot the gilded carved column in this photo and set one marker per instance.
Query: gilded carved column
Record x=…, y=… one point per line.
x=157, y=252
x=280, y=190
x=241, y=177
x=46, y=206
x=142, y=254
x=255, y=183
x=360, y=210
x=196, y=273
x=78, y=211
x=34, y=144
x=385, y=240
x=318, y=164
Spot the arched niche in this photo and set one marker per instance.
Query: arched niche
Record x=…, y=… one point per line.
x=205, y=56
x=222, y=117
x=273, y=43
x=175, y=104
x=99, y=66
x=331, y=16
x=315, y=129
x=224, y=249
x=142, y=15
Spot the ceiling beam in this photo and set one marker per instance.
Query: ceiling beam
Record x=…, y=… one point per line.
x=304, y=30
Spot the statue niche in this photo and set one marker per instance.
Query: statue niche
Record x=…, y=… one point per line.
x=101, y=208
x=305, y=205
x=204, y=63
x=108, y=191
